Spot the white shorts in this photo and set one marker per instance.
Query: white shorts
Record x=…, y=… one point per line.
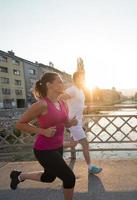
x=77, y=133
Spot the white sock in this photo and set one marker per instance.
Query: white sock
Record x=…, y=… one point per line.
x=19, y=178
x=90, y=166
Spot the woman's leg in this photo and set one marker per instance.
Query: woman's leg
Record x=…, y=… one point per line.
x=54, y=166
x=35, y=176
x=60, y=169
x=44, y=176
x=68, y=194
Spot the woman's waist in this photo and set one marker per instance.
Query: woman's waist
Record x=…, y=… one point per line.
x=58, y=133
x=43, y=142
x=59, y=126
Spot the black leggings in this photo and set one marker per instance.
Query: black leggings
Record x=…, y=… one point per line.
x=55, y=166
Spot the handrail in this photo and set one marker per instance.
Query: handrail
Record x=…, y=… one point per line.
x=111, y=107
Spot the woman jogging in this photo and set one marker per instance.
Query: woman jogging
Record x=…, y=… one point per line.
x=52, y=117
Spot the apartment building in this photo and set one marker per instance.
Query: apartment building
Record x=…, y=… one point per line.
x=12, y=82
x=18, y=77
x=32, y=72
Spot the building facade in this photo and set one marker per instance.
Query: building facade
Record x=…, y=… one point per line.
x=12, y=82
x=18, y=77
x=32, y=72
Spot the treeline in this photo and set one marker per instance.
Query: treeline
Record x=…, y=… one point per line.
x=103, y=96
x=135, y=97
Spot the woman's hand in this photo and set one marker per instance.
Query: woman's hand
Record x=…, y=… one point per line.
x=49, y=132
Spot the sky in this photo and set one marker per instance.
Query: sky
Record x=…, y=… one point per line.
x=102, y=32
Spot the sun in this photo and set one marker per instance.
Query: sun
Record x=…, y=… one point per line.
x=99, y=80
x=90, y=84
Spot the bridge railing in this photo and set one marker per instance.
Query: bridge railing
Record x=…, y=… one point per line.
x=104, y=132
x=111, y=129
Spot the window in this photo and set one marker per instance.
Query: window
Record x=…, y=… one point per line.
x=17, y=82
x=4, y=80
x=16, y=72
x=32, y=81
x=16, y=62
x=32, y=71
x=7, y=103
x=18, y=92
x=5, y=91
x=3, y=59
x=4, y=69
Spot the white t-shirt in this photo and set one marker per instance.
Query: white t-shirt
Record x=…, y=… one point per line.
x=76, y=103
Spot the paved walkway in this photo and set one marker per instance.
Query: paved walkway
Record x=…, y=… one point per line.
x=118, y=181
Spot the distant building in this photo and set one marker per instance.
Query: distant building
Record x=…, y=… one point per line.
x=32, y=72
x=18, y=77
x=65, y=76
x=12, y=82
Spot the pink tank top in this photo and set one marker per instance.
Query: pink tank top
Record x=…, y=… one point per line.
x=54, y=118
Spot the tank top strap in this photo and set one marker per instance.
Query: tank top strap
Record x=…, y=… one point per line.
x=45, y=100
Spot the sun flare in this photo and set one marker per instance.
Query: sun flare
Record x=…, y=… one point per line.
x=97, y=81
x=93, y=82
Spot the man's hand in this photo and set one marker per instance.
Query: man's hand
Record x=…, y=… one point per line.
x=71, y=122
x=64, y=96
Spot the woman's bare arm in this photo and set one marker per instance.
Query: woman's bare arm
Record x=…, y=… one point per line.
x=24, y=123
